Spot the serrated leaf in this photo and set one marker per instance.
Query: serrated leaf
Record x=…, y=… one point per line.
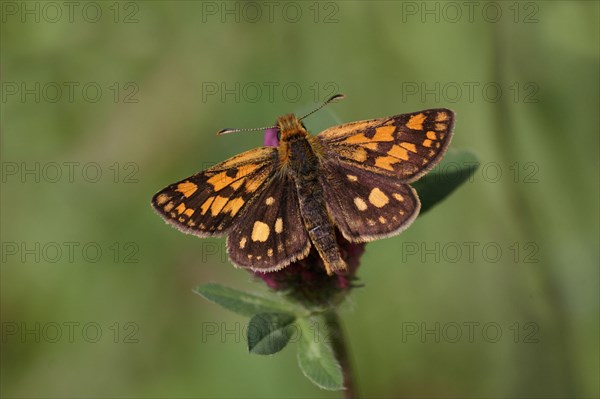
x=268, y=333
x=456, y=167
x=239, y=301
x=315, y=356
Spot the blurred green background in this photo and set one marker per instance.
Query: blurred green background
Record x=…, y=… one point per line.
x=105, y=103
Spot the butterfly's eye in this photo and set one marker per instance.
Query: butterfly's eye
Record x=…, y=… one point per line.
x=278, y=135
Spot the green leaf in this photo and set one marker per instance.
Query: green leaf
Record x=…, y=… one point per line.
x=456, y=167
x=239, y=301
x=269, y=333
x=315, y=356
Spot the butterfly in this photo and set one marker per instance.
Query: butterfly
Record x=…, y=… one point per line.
x=274, y=203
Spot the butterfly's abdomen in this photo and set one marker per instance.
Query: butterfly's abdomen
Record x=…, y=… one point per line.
x=303, y=166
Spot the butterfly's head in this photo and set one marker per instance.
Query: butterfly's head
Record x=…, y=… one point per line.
x=290, y=127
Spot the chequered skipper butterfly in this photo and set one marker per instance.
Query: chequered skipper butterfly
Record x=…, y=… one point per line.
x=273, y=203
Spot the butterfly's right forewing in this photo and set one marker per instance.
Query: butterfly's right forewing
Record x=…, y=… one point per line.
x=403, y=147
x=210, y=202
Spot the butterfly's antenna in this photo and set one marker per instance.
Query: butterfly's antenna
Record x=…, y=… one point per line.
x=227, y=131
x=330, y=100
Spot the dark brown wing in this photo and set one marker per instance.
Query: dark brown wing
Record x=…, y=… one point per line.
x=366, y=206
x=368, y=164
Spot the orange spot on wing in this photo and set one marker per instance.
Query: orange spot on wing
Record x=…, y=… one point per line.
x=384, y=133
x=360, y=154
x=398, y=152
x=188, y=212
x=234, y=206
x=427, y=143
x=399, y=197
x=279, y=225
x=180, y=208
x=187, y=188
x=386, y=162
x=360, y=204
x=431, y=135
x=220, y=180
x=260, y=231
x=357, y=139
x=218, y=204
x=236, y=184
x=206, y=204
x=416, y=122
x=378, y=198
x=441, y=117
x=162, y=198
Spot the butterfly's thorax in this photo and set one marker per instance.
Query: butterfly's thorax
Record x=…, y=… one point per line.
x=300, y=157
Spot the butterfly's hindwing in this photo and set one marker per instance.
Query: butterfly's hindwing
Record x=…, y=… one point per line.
x=365, y=205
x=404, y=146
x=271, y=234
x=207, y=203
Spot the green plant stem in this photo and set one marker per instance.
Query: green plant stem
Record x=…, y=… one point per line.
x=340, y=350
